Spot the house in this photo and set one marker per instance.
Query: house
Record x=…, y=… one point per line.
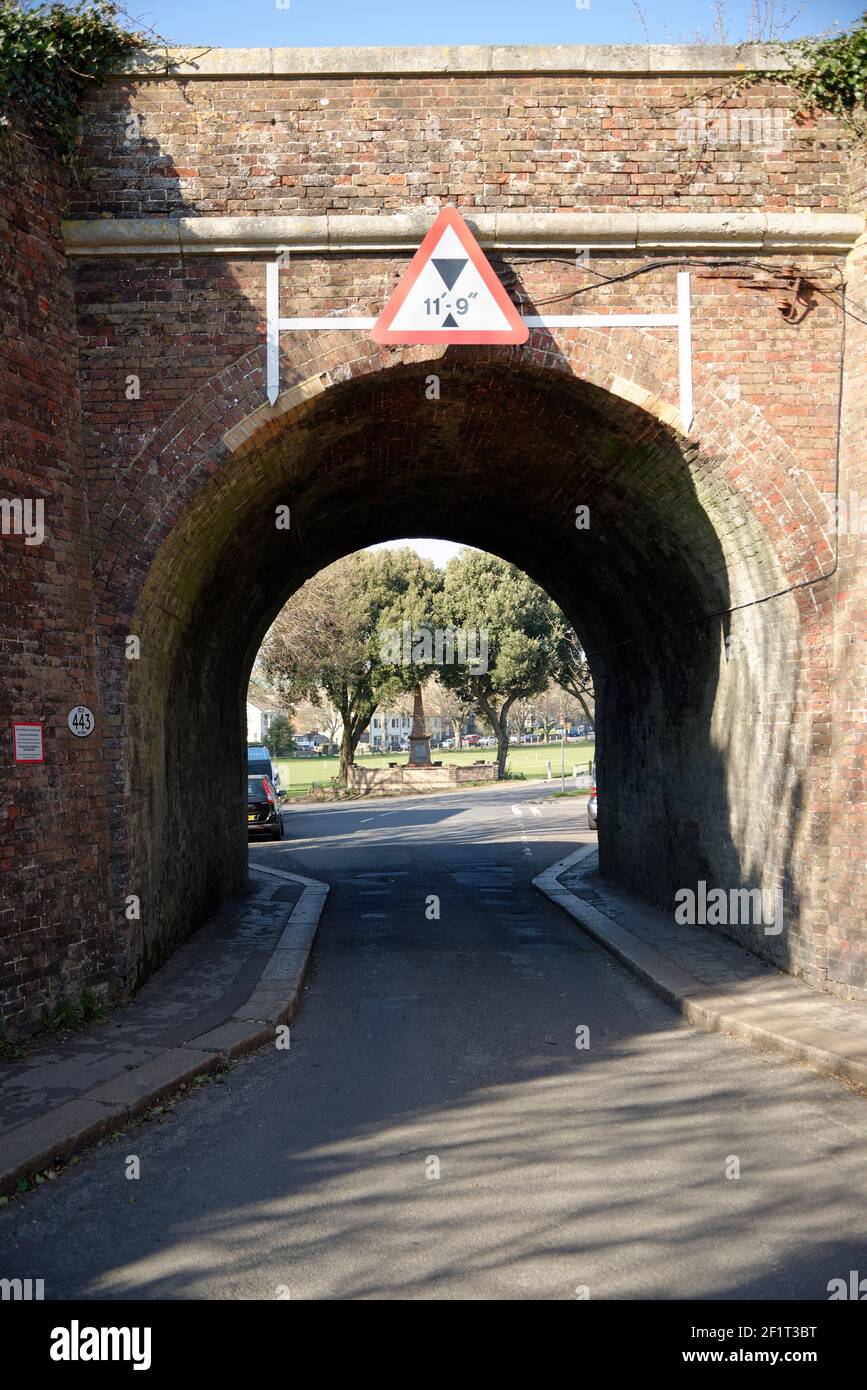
x=262, y=710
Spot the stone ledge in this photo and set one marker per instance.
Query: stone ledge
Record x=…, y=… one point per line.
x=823, y=233
x=190, y=60
x=373, y=780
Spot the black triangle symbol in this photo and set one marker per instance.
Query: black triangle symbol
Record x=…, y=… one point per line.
x=449, y=322
x=450, y=269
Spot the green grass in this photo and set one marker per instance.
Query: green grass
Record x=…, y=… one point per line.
x=529, y=760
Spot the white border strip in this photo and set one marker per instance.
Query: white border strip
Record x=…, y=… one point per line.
x=324, y=325
x=684, y=348
x=274, y=324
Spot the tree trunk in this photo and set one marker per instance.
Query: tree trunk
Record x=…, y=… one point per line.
x=499, y=722
x=355, y=721
x=347, y=753
x=583, y=703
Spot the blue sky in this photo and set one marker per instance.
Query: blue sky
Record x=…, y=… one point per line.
x=312, y=23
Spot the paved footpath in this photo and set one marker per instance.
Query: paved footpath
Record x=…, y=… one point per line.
x=433, y=1131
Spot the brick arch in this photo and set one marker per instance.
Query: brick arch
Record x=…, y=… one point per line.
x=167, y=544
x=190, y=447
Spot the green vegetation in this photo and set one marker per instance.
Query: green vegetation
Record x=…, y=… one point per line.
x=50, y=57
x=519, y=625
x=378, y=625
x=63, y=1015
x=831, y=74
x=329, y=637
x=68, y=1016
x=530, y=760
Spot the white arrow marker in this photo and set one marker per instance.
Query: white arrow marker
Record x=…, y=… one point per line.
x=272, y=342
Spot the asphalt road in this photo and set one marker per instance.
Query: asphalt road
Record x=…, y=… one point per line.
x=445, y=1045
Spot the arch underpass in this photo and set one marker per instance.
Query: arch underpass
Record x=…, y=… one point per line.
x=721, y=606
x=699, y=706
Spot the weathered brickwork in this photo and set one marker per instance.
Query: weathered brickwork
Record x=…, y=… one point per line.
x=727, y=636
x=56, y=931
x=372, y=144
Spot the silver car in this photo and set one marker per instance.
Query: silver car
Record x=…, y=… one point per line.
x=591, y=801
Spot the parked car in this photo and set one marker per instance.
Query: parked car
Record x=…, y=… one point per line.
x=488, y=742
x=264, y=816
x=448, y=743
x=472, y=740
x=591, y=800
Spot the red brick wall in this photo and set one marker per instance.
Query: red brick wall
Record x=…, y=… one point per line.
x=210, y=147
x=56, y=934
x=699, y=748
x=848, y=704
x=366, y=144
x=731, y=741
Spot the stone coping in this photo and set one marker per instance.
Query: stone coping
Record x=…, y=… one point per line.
x=200, y=61
x=829, y=233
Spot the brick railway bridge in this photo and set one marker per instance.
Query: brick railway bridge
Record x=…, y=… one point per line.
x=720, y=590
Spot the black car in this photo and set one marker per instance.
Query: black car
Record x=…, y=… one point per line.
x=263, y=808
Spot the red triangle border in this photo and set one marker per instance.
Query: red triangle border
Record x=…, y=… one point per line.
x=449, y=217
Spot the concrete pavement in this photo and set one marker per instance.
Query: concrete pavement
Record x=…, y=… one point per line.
x=715, y=983
x=221, y=994
x=434, y=1132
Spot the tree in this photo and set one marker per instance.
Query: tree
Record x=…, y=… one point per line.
x=407, y=623
x=523, y=711
x=356, y=634
x=327, y=640
x=453, y=706
x=572, y=672
x=510, y=624
x=280, y=740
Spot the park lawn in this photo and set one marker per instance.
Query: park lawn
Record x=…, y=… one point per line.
x=297, y=775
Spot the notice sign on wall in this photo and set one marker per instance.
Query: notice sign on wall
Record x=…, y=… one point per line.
x=27, y=743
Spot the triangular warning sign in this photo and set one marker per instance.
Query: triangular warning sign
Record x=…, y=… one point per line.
x=450, y=293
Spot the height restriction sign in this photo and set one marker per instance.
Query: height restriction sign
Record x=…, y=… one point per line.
x=450, y=294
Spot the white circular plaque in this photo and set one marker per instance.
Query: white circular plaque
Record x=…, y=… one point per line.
x=81, y=721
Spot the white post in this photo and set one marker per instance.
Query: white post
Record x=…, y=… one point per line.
x=549, y=769
x=272, y=341
x=684, y=348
